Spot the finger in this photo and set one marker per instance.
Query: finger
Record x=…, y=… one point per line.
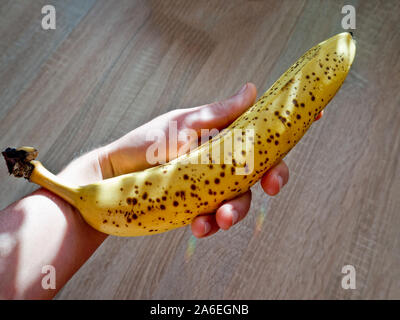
x=219, y=115
x=319, y=116
x=204, y=226
x=233, y=211
x=275, y=178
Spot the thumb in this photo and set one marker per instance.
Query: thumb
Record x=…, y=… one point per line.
x=221, y=114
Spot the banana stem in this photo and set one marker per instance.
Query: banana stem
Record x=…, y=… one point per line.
x=20, y=163
x=43, y=177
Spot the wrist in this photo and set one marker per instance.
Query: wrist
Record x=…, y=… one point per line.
x=44, y=201
x=82, y=170
x=85, y=169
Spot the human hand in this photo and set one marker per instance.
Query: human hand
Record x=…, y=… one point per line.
x=128, y=154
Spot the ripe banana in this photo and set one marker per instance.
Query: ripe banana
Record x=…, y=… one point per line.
x=171, y=195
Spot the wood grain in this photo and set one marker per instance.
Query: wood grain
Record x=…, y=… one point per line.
x=111, y=66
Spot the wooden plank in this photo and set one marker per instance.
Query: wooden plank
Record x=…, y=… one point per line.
x=25, y=46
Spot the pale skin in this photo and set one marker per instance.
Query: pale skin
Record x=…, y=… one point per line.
x=42, y=229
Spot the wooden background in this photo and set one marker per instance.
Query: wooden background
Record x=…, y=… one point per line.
x=111, y=66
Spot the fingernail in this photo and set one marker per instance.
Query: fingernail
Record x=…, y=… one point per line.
x=235, y=216
x=280, y=181
x=207, y=228
x=242, y=90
